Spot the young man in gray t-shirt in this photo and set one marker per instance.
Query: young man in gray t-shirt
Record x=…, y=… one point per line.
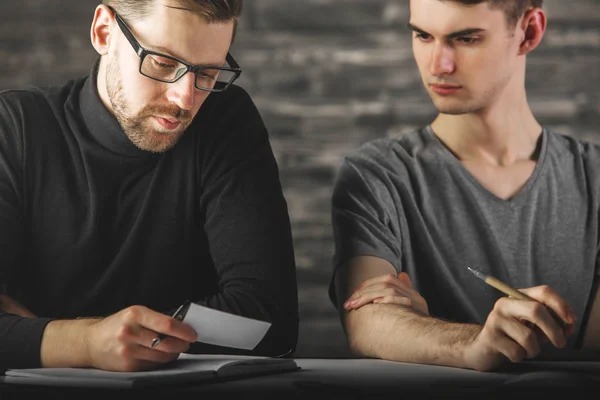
x=483, y=186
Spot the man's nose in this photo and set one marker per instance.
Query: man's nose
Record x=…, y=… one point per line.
x=442, y=60
x=183, y=92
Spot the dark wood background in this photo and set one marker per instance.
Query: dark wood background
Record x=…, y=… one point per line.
x=327, y=75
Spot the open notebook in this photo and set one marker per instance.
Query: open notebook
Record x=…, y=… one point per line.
x=187, y=369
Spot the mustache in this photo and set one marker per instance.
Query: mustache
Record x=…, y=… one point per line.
x=169, y=111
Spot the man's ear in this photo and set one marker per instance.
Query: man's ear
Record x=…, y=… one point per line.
x=100, y=33
x=533, y=25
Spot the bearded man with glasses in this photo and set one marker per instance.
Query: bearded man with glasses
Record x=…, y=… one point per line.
x=126, y=192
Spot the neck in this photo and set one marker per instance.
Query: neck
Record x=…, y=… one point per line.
x=502, y=134
x=101, y=84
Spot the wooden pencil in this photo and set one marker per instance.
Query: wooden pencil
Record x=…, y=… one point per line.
x=512, y=292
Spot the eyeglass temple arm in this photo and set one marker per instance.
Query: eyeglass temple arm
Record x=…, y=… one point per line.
x=127, y=32
x=231, y=61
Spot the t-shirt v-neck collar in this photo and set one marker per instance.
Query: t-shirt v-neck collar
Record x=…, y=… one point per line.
x=517, y=198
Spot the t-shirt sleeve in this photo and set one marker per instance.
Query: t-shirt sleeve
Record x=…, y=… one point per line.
x=248, y=226
x=362, y=210
x=20, y=338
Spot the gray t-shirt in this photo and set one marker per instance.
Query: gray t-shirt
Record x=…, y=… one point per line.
x=410, y=201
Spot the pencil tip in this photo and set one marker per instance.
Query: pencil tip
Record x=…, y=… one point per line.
x=477, y=273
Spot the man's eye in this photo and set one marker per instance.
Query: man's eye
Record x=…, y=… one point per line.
x=163, y=64
x=206, y=75
x=467, y=40
x=422, y=36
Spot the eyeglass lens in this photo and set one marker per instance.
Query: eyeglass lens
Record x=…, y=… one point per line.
x=169, y=70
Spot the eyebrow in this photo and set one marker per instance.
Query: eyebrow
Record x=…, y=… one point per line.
x=178, y=8
x=167, y=52
x=462, y=32
x=161, y=49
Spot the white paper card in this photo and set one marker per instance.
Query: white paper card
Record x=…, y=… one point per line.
x=224, y=329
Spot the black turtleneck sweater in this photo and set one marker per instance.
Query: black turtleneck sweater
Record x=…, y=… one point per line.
x=91, y=224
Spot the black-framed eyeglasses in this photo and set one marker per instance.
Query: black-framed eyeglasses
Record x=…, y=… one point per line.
x=169, y=69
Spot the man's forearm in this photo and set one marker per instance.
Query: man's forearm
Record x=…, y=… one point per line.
x=397, y=333
x=64, y=343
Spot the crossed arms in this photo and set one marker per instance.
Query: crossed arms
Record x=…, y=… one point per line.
x=390, y=320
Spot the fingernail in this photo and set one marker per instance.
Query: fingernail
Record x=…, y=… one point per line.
x=570, y=318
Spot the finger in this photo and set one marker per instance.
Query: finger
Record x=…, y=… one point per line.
x=145, y=353
x=405, y=279
x=509, y=348
x=542, y=338
x=135, y=335
x=11, y=306
x=389, y=281
x=548, y=296
x=568, y=330
x=416, y=303
x=368, y=297
x=400, y=288
x=523, y=335
x=161, y=323
x=400, y=300
x=386, y=278
x=167, y=344
x=536, y=313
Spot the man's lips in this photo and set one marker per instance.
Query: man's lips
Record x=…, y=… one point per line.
x=442, y=88
x=167, y=123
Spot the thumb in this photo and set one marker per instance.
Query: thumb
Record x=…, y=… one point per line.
x=404, y=278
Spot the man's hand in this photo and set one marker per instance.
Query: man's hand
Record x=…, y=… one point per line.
x=11, y=306
x=121, y=342
x=388, y=289
x=515, y=329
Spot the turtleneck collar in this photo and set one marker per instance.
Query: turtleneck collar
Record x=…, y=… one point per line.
x=102, y=124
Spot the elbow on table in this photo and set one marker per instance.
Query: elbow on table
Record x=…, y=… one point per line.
x=281, y=339
x=361, y=332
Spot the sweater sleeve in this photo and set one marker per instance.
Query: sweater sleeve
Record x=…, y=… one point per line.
x=20, y=338
x=248, y=226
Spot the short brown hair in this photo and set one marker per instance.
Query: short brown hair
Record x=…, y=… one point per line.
x=513, y=9
x=211, y=10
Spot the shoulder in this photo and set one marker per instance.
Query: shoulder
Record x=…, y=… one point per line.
x=36, y=102
x=227, y=114
x=17, y=108
x=396, y=155
x=229, y=126
x=570, y=147
x=577, y=158
x=15, y=100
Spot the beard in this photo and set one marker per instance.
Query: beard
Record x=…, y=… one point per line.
x=139, y=127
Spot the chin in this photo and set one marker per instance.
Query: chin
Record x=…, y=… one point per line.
x=455, y=107
x=161, y=144
x=157, y=141
x=452, y=111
